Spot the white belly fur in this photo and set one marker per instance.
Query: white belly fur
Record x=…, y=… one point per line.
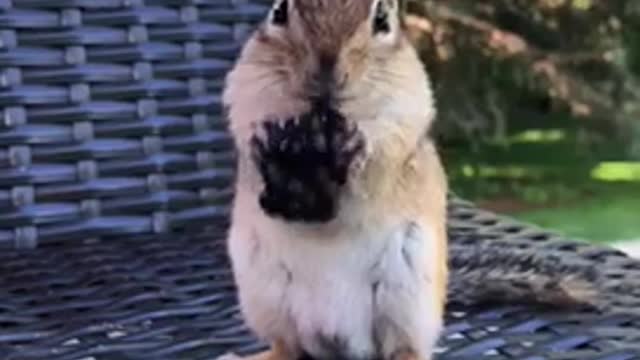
x=356, y=295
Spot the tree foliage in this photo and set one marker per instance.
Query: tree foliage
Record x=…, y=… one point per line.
x=500, y=66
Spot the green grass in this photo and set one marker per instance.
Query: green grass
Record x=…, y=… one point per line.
x=546, y=177
x=608, y=215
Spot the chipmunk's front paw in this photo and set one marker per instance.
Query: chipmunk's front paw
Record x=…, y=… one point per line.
x=304, y=161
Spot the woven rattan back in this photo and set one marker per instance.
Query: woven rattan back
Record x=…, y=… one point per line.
x=111, y=120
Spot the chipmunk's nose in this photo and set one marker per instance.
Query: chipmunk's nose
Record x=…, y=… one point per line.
x=324, y=79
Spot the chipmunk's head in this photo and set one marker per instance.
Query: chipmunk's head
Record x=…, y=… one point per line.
x=351, y=55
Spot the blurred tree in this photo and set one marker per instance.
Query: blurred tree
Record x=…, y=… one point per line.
x=501, y=66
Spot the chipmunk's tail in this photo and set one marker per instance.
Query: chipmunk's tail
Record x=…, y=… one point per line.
x=493, y=272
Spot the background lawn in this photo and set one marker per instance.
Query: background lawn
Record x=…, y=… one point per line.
x=540, y=181
x=608, y=215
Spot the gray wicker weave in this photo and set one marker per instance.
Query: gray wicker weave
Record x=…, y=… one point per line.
x=115, y=184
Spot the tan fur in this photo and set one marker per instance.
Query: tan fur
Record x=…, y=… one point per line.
x=406, y=355
x=407, y=179
x=384, y=89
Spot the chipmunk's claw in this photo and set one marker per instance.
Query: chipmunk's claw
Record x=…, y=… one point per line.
x=304, y=161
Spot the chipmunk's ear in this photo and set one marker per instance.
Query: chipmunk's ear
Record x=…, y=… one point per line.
x=385, y=19
x=279, y=15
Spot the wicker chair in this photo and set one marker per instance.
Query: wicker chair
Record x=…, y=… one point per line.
x=114, y=192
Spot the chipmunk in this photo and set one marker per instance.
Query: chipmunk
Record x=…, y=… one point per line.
x=338, y=239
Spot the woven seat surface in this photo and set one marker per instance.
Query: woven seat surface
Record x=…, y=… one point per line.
x=173, y=298
x=115, y=173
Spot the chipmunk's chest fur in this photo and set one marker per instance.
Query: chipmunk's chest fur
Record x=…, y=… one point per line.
x=337, y=295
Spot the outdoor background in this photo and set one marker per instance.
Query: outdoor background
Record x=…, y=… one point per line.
x=539, y=104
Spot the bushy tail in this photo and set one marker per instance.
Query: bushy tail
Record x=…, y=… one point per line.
x=493, y=272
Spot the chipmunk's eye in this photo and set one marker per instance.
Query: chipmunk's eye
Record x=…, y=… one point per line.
x=381, y=18
x=280, y=13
